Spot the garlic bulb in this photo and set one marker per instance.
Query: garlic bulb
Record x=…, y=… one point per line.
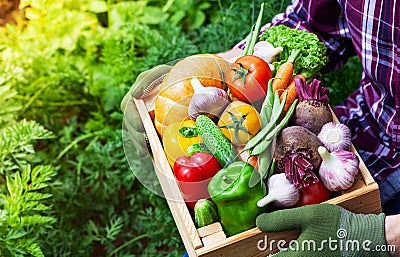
x=266, y=51
x=335, y=136
x=281, y=193
x=210, y=101
x=338, y=169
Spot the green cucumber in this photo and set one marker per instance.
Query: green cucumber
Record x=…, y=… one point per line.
x=205, y=213
x=215, y=141
x=195, y=148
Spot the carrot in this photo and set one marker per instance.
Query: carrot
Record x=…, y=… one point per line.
x=292, y=92
x=246, y=157
x=284, y=73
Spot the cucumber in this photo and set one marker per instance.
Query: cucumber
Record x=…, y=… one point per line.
x=205, y=213
x=215, y=141
x=195, y=148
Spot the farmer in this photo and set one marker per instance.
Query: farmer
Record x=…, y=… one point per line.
x=370, y=29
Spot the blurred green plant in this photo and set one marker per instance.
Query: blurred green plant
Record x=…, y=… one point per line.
x=344, y=81
x=17, y=143
x=9, y=106
x=190, y=14
x=232, y=22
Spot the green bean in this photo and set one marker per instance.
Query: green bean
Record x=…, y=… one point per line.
x=263, y=162
x=258, y=149
x=271, y=124
x=253, y=36
x=271, y=169
x=256, y=30
x=283, y=123
x=266, y=108
x=277, y=111
x=260, y=135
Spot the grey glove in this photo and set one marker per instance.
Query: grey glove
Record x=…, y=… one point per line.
x=132, y=122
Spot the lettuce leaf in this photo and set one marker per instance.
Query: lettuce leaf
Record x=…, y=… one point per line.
x=313, y=51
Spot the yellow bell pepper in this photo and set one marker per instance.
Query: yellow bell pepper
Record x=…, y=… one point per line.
x=177, y=137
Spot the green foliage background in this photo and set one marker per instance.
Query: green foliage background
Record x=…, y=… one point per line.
x=66, y=188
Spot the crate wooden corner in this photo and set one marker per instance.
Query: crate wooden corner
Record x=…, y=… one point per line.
x=362, y=197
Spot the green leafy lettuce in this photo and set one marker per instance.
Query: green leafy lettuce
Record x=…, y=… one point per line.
x=313, y=51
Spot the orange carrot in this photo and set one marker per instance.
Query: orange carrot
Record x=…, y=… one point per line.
x=284, y=73
x=246, y=157
x=292, y=92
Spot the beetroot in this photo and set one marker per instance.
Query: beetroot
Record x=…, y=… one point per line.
x=296, y=153
x=312, y=111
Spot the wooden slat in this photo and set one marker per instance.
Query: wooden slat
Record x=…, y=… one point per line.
x=210, y=229
x=249, y=243
x=362, y=200
x=368, y=179
x=169, y=185
x=214, y=239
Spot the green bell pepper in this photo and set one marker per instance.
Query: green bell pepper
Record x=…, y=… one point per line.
x=236, y=201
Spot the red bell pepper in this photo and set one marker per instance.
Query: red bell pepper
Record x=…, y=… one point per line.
x=193, y=174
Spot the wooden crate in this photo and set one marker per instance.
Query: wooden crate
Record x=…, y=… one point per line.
x=362, y=197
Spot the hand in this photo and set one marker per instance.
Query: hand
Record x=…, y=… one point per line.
x=132, y=122
x=328, y=230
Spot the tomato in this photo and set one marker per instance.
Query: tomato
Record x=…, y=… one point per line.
x=313, y=194
x=193, y=174
x=240, y=122
x=248, y=79
x=175, y=144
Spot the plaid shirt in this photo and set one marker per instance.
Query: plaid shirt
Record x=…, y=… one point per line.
x=370, y=29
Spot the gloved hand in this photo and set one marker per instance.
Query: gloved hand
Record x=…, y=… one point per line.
x=132, y=122
x=321, y=224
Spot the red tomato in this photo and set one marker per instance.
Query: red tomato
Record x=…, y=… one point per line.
x=313, y=194
x=193, y=174
x=248, y=79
